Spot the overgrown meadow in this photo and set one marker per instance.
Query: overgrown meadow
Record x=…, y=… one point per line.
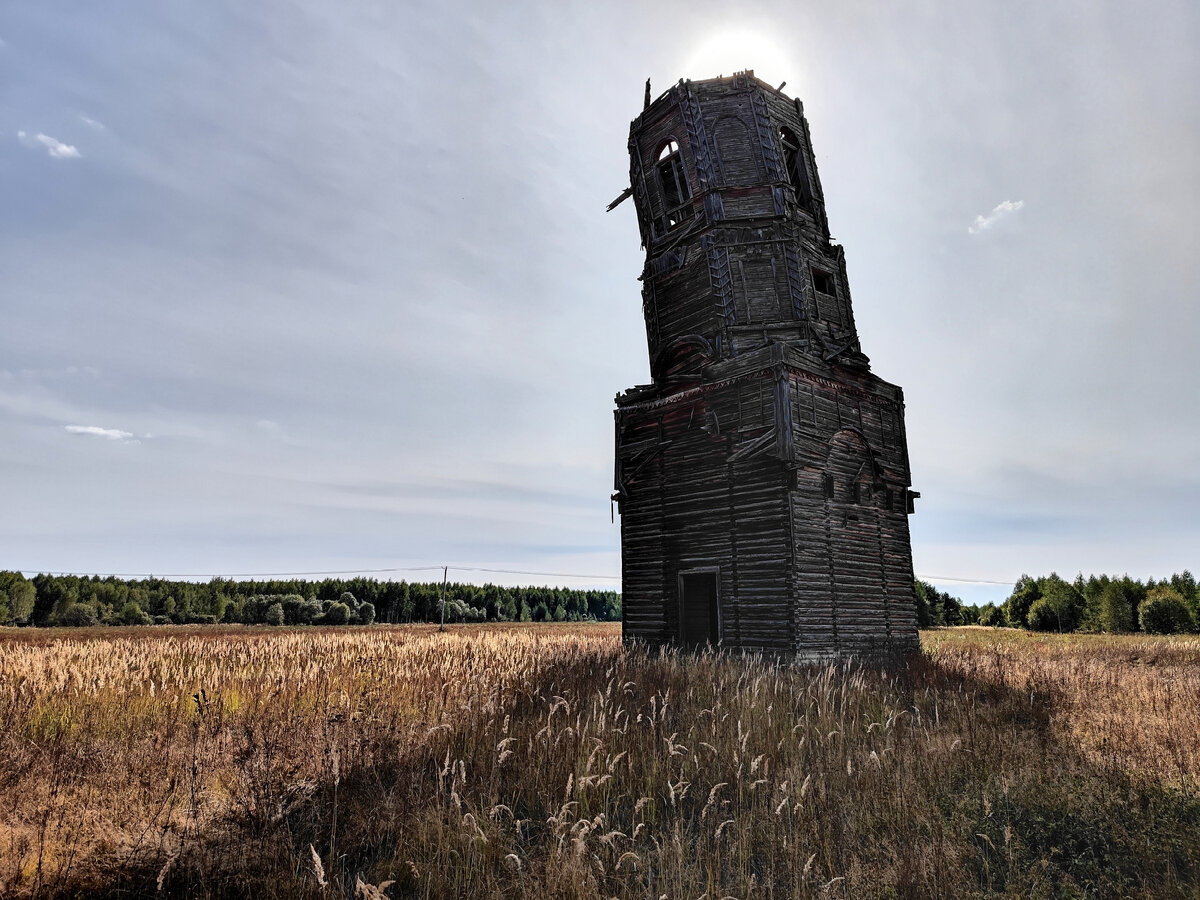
x=548, y=761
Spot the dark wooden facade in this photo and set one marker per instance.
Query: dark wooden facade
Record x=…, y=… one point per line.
x=762, y=478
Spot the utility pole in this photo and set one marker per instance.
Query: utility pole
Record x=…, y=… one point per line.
x=445, y=570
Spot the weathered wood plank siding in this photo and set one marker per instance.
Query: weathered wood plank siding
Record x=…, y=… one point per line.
x=765, y=455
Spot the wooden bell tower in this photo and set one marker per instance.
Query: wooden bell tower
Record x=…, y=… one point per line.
x=762, y=477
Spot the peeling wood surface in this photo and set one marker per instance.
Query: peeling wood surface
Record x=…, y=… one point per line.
x=765, y=455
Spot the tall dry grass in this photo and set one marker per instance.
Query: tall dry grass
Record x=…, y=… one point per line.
x=547, y=761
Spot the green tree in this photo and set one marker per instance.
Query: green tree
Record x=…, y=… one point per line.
x=1185, y=584
x=1016, y=607
x=17, y=598
x=493, y=601
x=1164, y=611
x=131, y=614
x=273, y=615
x=1042, y=616
x=1066, y=602
x=953, y=611
x=337, y=614
x=612, y=607
x=54, y=595
x=77, y=615
x=924, y=613
x=1114, y=614
x=991, y=615
x=366, y=613
x=1092, y=590
x=294, y=607
x=310, y=613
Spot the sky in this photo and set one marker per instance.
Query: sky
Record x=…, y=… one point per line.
x=316, y=286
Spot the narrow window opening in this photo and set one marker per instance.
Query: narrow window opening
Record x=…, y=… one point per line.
x=674, y=183
x=793, y=163
x=823, y=283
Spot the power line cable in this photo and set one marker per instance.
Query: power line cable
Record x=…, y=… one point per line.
x=328, y=572
x=935, y=578
x=543, y=574
x=242, y=574
x=954, y=580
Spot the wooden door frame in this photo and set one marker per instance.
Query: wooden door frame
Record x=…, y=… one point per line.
x=715, y=571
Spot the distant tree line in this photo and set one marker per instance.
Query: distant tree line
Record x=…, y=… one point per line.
x=1099, y=603
x=936, y=607
x=81, y=601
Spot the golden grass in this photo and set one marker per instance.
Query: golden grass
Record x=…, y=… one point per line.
x=545, y=760
x=1130, y=702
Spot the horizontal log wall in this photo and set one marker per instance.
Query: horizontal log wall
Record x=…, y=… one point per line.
x=812, y=546
x=765, y=449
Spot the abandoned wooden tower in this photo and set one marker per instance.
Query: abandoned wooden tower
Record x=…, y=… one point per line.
x=762, y=478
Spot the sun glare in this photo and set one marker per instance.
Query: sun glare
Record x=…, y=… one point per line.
x=731, y=50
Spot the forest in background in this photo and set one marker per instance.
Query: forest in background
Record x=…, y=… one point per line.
x=1097, y=603
x=74, y=600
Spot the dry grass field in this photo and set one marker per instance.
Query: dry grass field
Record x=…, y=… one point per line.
x=545, y=761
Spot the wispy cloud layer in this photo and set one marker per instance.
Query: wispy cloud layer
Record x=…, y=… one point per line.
x=249, y=261
x=112, y=434
x=999, y=211
x=54, y=147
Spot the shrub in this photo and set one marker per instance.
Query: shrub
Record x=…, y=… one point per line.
x=1164, y=612
x=366, y=614
x=1042, y=616
x=457, y=611
x=274, y=614
x=293, y=609
x=77, y=615
x=131, y=614
x=337, y=614
x=992, y=616
x=311, y=611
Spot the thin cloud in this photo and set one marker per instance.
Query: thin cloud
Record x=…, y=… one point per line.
x=998, y=212
x=112, y=434
x=92, y=123
x=54, y=147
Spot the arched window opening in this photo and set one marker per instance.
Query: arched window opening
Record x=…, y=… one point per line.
x=674, y=183
x=793, y=162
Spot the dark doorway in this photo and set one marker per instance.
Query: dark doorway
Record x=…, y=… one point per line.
x=699, y=622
